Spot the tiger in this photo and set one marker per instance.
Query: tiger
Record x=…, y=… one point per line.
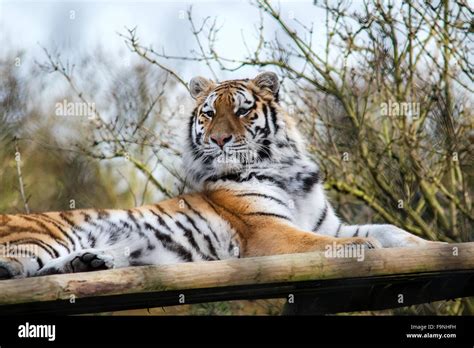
x=253, y=191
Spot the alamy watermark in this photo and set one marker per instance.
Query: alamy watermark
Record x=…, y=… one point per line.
x=337, y=250
x=18, y=251
x=241, y=156
x=28, y=330
x=397, y=109
x=78, y=109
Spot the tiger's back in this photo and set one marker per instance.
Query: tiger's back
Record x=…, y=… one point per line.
x=182, y=229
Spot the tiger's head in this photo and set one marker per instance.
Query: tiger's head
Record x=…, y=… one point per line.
x=237, y=124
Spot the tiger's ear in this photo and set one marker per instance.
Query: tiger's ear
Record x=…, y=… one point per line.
x=199, y=84
x=268, y=80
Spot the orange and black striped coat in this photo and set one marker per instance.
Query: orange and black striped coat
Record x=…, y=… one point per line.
x=255, y=193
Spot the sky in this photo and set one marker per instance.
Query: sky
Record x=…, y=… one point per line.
x=77, y=27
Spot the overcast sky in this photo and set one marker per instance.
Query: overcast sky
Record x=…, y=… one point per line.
x=77, y=27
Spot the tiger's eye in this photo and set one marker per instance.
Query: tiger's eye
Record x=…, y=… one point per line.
x=209, y=113
x=242, y=112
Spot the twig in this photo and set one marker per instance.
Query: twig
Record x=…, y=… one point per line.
x=20, y=176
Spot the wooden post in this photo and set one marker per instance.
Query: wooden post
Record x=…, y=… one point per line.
x=268, y=277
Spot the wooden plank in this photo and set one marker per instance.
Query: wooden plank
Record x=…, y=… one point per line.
x=310, y=297
x=230, y=278
x=377, y=293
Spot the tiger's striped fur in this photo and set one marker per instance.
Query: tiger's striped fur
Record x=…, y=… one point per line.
x=256, y=193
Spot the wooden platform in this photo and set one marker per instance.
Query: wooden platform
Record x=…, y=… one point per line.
x=312, y=282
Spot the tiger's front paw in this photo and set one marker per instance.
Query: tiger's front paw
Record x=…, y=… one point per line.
x=414, y=241
x=89, y=262
x=367, y=243
x=84, y=261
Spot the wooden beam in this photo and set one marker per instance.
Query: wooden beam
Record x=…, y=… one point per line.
x=267, y=277
x=377, y=293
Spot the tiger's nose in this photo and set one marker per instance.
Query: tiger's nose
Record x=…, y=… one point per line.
x=221, y=139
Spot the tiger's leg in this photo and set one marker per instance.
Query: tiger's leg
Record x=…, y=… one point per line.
x=389, y=236
x=87, y=260
x=327, y=223
x=276, y=238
